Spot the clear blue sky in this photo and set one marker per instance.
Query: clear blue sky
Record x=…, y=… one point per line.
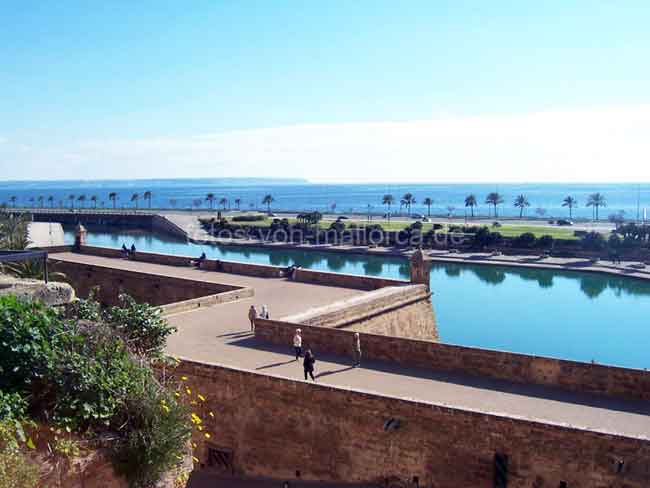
x=110, y=72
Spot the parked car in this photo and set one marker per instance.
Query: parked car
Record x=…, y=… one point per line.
x=417, y=216
x=564, y=222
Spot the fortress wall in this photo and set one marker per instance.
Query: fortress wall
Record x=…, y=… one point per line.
x=344, y=280
x=276, y=426
x=518, y=368
x=402, y=311
x=234, y=267
x=144, y=287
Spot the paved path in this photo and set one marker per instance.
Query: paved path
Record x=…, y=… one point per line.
x=43, y=234
x=221, y=334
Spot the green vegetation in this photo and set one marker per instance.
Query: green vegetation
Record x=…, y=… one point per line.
x=89, y=374
x=537, y=230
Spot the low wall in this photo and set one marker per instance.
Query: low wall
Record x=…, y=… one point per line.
x=275, y=427
x=235, y=267
x=344, y=280
x=144, y=287
x=518, y=368
x=402, y=311
x=207, y=301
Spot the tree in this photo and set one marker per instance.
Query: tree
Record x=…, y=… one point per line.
x=223, y=202
x=428, y=202
x=409, y=200
x=50, y=199
x=81, y=199
x=495, y=199
x=570, y=202
x=13, y=199
x=71, y=198
x=94, y=200
x=41, y=199
x=521, y=202
x=596, y=200
x=470, y=201
x=450, y=211
x=388, y=201
x=147, y=196
x=238, y=203
x=135, y=198
x=112, y=196
x=268, y=200
x=210, y=199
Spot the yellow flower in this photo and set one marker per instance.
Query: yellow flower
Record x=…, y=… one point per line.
x=201, y=397
x=177, y=394
x=165, y=408
x=193, y=402
x=207, y=436
x=195, y=459
x=194, y=445
x=200, y=427
x=184, y=378
x=211, y=414
x=188, y=391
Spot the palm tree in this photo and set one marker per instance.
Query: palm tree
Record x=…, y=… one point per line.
x=238, y=203
x=521, y=202
x=268, y=200
x=470, y=201
x=71, y=197
x=135, y=198
x=112, y=196
x=210, y=198
x=94, y=200
x=13, y=199
x=570, y=202
x=494, y=198
x=82, y=199
x=596, y=200
x=428, y=202
x=388, y=201
x=147, y=196
x=51, y=200
x=223, y=201
x=41, y=199
x=409, y=200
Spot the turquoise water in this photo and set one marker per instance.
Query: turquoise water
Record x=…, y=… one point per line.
x=571, y=315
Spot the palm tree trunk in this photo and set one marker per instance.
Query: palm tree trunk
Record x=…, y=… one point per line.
x=471, y=207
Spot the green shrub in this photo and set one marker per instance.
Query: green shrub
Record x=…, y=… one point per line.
x=249, y=218
x=525, y=240
x=16, y=470
x=546, y=241
x=142, y=326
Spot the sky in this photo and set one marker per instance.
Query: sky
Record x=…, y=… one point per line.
x=378, y=90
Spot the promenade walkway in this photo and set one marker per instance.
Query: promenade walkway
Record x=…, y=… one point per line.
x=221, y=334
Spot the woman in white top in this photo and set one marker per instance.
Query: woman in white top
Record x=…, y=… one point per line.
x=297, y=344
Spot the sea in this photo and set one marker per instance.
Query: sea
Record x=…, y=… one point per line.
x=630, y=199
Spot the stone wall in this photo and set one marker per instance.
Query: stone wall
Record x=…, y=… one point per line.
x=519, y=368
x=276, y=426
x=144, y=287
x=344, y=280
x=248, y=269
x=402, y=311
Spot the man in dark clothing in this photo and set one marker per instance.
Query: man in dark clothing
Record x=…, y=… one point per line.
x=308, y=364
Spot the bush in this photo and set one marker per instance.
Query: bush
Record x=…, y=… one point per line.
x=546, y=241
x=16, y=470
x=142, y=325
x=249, y=218
x=593, y=241
x=525, y=240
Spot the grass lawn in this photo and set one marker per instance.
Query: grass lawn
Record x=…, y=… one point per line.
x=505, y=230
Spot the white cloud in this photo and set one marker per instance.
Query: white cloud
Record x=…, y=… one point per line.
x=590, y=145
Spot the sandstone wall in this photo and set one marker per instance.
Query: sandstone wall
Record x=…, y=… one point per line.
x=144, y=287
x=519, y=368
x=344, y=280
x=276, y=427
x=402, y=311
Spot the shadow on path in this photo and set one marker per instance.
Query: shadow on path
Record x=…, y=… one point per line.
x=274, y=365
x=478, y=382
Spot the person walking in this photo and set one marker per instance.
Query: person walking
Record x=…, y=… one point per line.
x=297, y=343
x=356, y=349
x=308, y=364
x=252, y=315
x=265, y=312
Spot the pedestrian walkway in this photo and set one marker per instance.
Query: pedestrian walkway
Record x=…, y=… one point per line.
x=221, y=334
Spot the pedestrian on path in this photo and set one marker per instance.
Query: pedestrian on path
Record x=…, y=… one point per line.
x=308, y=364
x=252, y=315
x=265, y=312
x=297, y=343
x=356, y=349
